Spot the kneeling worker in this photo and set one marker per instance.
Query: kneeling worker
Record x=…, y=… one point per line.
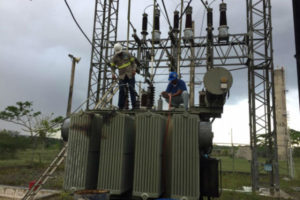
x=177, y=90
x=125, y=63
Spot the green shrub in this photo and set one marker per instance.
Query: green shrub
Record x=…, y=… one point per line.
x=10, y=143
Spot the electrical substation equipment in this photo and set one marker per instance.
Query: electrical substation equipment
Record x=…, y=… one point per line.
x=156, y=29
x=223, y=28
x=188, y=31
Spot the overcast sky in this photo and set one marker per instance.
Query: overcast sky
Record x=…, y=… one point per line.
x=37, y=36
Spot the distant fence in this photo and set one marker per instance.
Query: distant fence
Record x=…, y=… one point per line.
x=236, y=158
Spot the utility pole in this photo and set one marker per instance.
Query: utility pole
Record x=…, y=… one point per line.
x=74, y=61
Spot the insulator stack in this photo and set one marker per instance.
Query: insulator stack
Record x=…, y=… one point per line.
x=210, y=24
x=144, y=100
x=188, y=31
x=223, y=18
x=188, y=19
x=145, y=24
x=209, y=49
x=176, y=21
x=209, y=17
x=202, y=98
x=156, y=20
x=156, y=31
x=223, y=29
x=159, y=103
x=151, y=95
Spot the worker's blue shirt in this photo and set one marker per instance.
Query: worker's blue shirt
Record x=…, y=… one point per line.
x=180, y=85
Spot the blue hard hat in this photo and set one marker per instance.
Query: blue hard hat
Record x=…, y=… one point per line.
x=173, y=76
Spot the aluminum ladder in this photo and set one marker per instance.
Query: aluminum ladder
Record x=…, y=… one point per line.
x=112, y=90
x=32, y=192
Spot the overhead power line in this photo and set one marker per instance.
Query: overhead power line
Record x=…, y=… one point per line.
x=185, y=9
x=77, y=23
x=105, y=60
x=166, y=13
x=204, y=4
x=211, y=2
x=202, y=23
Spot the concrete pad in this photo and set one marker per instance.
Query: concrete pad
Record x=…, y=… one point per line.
x=263, y=192
x=16, y=193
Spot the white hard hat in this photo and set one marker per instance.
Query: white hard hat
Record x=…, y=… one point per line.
x=118, y=48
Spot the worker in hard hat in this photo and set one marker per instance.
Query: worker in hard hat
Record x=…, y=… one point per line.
x=177, y=90
x=125, y=63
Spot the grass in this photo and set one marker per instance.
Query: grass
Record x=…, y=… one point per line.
x=237, y=180
x=287, y=186
x=243, y=165
x=23, y=169
x=238, y=164
x=26, y=158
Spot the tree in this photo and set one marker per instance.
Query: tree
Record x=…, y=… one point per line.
x=31, y=121
x=47, y=126
x=294, y=137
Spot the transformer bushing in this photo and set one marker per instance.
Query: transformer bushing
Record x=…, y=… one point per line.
x=209, y=29
x=209, y=17
x=176, y=21
x=156, y=32
x=223, y=29
x=145, y=25
x=174, y=32
x=159, y=103
x=188, y=31
x=210, y=24
x=150, y=96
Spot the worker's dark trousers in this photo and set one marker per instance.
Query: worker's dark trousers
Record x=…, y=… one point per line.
x=122, y=85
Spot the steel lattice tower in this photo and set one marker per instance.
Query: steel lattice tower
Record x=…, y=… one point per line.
x=261, y=87
x=252, y=49
x=104, y=37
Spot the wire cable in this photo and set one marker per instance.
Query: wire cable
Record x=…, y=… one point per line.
x=185, y=9
x=211, y=3
x=166, y=17
x=77, y=22
x=202, y=24
x=204, y=4
x=70, y=10
x=166, y=13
